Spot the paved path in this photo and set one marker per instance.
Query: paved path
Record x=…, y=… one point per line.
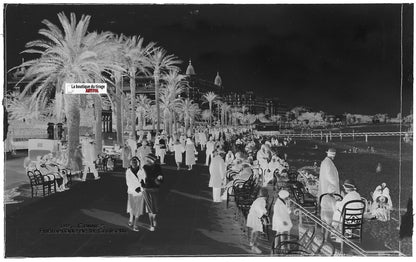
x=189, y=222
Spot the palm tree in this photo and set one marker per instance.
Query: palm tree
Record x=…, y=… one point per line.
x=143, y=106
x=119, y=41
x=160, y=62
x=210, y=97
x=189, y=111
x=136, y=59
x=173, y=86
x=219, y=106
x=71, y=56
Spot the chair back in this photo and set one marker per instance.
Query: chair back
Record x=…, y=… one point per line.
x=327, y=250
x=307, y=237
x=316, y=243
x=352, y=218
x=34, y=179
x=353, y=214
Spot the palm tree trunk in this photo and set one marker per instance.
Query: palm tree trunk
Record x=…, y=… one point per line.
x=133, y=100
x=186, y=125
x=119, y=123
x=175, y=123
x=98, y=125
x=165, y=122
x=210, y=113
x=73, y=121
x=156, y=76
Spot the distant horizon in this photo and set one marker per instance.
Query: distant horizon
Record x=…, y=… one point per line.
x=332, y=58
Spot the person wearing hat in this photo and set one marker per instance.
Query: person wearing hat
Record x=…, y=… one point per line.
x=382, y=205
x=190, y=152
x=254, y=223
x=350, y=193
x=328, y=184
x=281, y=221
x=143, y=151
x=217, y=175
x=135, y=201
x=151, y=183
x=209, y=149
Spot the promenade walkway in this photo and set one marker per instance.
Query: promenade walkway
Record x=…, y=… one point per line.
x=189, y=222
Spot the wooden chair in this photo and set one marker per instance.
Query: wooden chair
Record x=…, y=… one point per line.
x=40, y=183
x=303, y=198
x=352, y=219
x=327, y=250
x=292, y=246
x=318, y=206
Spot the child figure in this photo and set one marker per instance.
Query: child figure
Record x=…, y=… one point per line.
x=254, y=223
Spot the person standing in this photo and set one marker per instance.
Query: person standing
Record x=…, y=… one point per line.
x=89, y=158
x=151, y=183
x=135, y=201
x=217, y=176
x=178, y=149
x=328, y=184
x=190, y=152
x=254, y=223
x=281, y=221
x=126, y=155
x=210, y=148
x=162, y=150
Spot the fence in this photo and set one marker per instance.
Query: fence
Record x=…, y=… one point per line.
x=329, y=136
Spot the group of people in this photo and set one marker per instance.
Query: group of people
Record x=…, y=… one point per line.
x=143, y=180
x=52, y=168
x=335, y=198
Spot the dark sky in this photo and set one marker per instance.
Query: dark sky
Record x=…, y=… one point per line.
x=335, y=58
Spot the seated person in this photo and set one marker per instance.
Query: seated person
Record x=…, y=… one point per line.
x=349, y=192
x=274, y=164
x=244, y=175
x=381, y=205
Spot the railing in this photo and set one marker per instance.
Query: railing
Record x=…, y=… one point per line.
x=331, y=135
x=300, y=211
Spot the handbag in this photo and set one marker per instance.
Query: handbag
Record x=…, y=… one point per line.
x=265, y=220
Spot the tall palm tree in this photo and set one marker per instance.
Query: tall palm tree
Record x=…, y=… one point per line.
x=173, y=86
x=219, y=110
x=189, y=110
x=210, y=97
x=143, y=106
x=160, y=62
x=136, y=59
x=119, y=41
x=68, y=56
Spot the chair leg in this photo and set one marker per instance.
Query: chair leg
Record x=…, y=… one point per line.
x=32, y=190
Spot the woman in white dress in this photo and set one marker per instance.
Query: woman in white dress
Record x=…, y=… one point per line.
x=281, y=214
x=256, y=212
x=190, y=153
x=135, y=201
x=178, y=149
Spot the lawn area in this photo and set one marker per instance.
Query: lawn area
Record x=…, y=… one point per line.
x=361, y=167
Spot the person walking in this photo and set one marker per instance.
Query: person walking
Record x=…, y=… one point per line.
x=178, y=149
x=281, y=221
x=151, y=183
x=210, y=148
x=126, y=155
x=190, y=152
x=255, y=214
x=217, y=176
x=328, y=184
x=135, y=201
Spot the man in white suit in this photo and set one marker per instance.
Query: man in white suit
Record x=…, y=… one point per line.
x=328, y=183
